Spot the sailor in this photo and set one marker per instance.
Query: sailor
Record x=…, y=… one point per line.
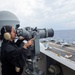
x=13, y=57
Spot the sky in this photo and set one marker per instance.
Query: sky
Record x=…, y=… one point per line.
x=56, y=14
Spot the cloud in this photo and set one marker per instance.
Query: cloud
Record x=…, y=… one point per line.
x=56, y=14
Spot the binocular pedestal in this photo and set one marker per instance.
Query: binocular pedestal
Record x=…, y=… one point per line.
x=31, y=67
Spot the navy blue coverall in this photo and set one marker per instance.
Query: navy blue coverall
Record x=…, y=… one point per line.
x=12, y=55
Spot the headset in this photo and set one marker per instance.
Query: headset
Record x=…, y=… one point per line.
x=6, y=35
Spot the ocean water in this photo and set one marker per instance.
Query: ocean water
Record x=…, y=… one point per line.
x=64, y=35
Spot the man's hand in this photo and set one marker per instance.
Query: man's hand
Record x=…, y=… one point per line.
x=29, y=43
x=22, y=38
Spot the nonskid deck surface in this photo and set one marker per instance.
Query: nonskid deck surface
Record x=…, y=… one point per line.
x=66, y=51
